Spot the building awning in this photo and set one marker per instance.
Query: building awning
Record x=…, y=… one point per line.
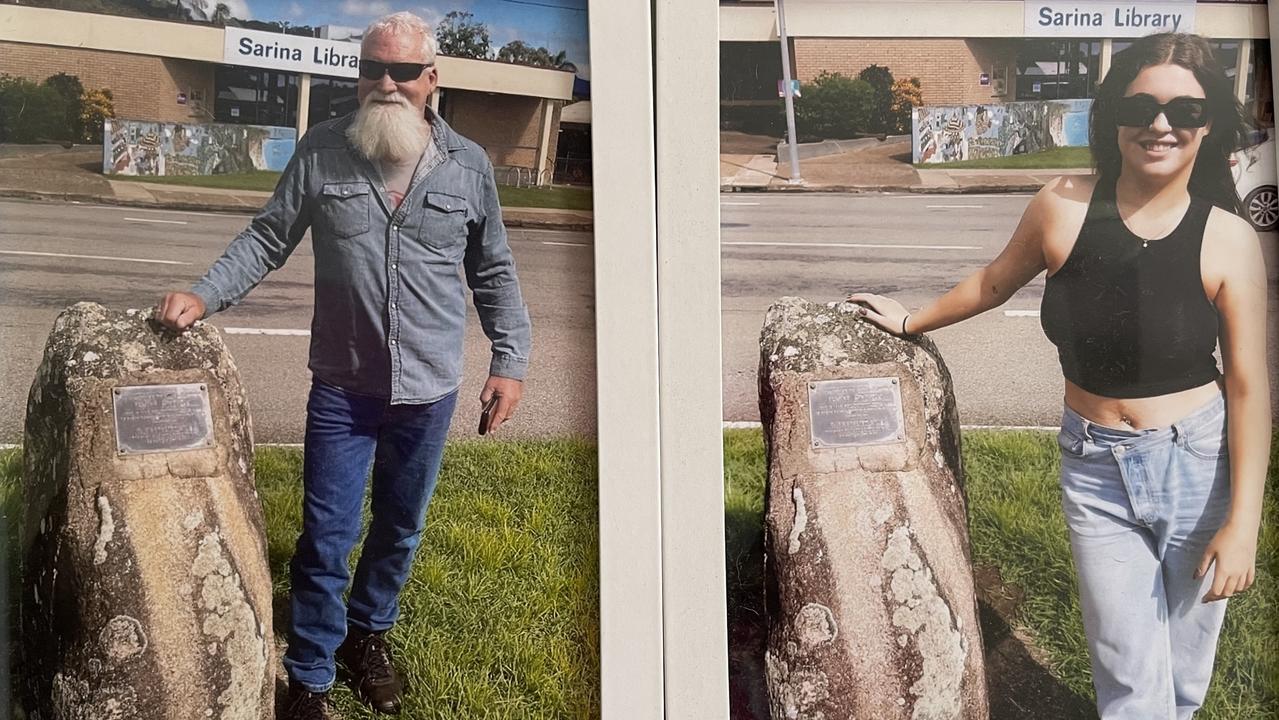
x=578, y=112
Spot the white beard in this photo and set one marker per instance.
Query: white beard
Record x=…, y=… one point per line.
x=395, y=132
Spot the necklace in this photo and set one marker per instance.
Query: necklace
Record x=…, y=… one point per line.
x=1145, y=242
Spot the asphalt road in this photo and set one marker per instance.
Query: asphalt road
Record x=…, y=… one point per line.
x=130, y=256
x=913, y=248
x=821, y=247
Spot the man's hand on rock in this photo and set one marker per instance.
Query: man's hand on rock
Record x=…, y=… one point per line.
x=179, y=310
x=508, y=394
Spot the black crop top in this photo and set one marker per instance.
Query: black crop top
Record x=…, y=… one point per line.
x=1129, y=317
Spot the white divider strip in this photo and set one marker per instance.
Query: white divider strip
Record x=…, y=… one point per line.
x=630, y=522
x=695, y=633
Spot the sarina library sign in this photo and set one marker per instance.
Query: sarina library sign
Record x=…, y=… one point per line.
x=1107, y=19
x=293, y=53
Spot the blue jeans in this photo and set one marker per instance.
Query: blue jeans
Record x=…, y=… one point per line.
x=345, y=434
x=1141, y=507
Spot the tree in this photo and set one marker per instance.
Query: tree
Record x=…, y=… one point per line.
x=71, y=90
x=881, y=80
x=221, y=14
x=520, y=53
x=460, y=35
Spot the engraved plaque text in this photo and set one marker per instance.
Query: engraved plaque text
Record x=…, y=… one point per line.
x=863, y=411
x=162, y=418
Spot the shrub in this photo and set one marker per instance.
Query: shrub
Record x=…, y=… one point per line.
x=881, y=80
x=907, y=95
x=834, y=106
x=29, y=112
x=95, y=106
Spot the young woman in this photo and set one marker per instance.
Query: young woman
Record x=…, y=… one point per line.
x=1163, y=455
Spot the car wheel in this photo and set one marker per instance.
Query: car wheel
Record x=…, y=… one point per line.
x=1262, y=207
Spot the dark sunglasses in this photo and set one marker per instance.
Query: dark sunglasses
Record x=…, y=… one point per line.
x=400, y=72
x=1141, y=110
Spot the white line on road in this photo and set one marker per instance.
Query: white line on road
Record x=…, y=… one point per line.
x=265, y=331
x=856, y=245
x=564, y=244
x=739, y=203
x=1021, y=313
x=91, y=257
x=153, y=220
x=938, y=207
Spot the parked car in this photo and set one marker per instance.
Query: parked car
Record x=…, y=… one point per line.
x=1253, y=168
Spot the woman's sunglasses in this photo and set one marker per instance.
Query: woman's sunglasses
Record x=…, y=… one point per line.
x=1141, y=110
x=400, y=72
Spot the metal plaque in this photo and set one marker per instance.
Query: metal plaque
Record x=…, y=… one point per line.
x=162, y=418
x=863, y=411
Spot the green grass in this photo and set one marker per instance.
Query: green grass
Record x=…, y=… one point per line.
x=561, y=198
x=500, y=615
x=1016, y=524
x=1055, y=159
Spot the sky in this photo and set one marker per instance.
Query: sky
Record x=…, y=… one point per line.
x=554, y=24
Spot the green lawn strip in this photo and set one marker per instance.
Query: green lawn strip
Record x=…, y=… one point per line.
x=263, y=180
x=1016, y=524
x=1057, y=158
x=562, y=198
x=500, y=615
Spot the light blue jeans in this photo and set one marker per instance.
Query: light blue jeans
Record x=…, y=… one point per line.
x=1141, y=507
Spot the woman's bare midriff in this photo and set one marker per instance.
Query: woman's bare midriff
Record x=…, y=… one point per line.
x=1139, y=413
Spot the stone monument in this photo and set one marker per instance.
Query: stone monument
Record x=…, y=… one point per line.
x=146, y=592
x=870, y=594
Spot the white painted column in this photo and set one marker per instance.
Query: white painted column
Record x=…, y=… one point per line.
x=1241, y=69
x=694, y=612
x=304, y=103
x=630, y=485
x=1107, y=49
x=544, y=140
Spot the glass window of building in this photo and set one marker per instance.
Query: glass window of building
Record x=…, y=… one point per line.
x=1058, y=69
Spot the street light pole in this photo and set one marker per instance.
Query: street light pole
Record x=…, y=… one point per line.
x=789, y=94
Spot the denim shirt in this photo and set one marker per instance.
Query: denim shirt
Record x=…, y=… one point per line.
x=390, y=308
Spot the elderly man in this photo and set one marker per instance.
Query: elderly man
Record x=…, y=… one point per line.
x=396, y=201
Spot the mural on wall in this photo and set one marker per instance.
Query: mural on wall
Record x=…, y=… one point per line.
x=969, y=132
x=133, y=147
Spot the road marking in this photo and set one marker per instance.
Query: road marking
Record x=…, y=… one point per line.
x=938, y=207
x=265, y=331
x=153, y=220
x=857, y=245
x=92, y=257
x=1021, y=313
x=565, y=244
x=739, y=203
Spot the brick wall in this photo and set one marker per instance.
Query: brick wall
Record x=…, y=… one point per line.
x=507, y=126
x=144, y=88
x=948, y=69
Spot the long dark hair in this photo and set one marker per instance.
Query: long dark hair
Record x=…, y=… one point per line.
x=1210, y=179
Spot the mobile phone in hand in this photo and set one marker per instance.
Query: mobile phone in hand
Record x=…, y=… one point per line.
x=486, y=415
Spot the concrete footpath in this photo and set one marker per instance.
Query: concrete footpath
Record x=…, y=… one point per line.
x=871, y=167
x=51, y=172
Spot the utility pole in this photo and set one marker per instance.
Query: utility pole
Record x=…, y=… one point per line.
x=788, y=93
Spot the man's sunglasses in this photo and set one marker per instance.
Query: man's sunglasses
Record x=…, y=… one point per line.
x=400, y=72
x=1141, y=110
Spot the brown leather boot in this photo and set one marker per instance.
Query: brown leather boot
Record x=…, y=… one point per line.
x=366, y=659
